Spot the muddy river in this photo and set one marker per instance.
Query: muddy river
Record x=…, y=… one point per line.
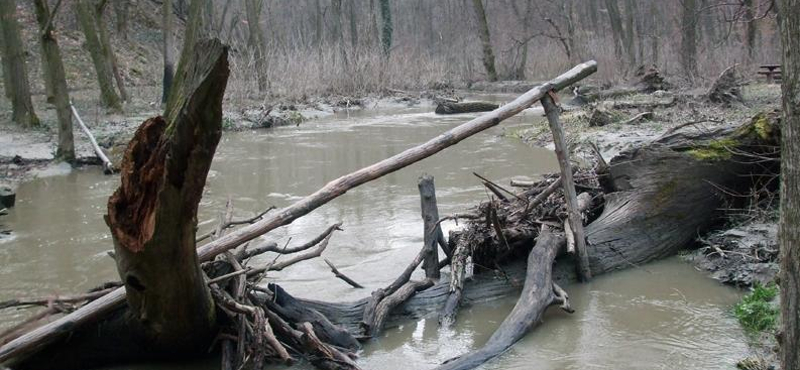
x=664, y=315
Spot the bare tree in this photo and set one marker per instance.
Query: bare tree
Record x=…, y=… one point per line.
x=121, y=12
x=386, y=27
x=14, y=71
x=87, y=11
x=256, y=41
x=486, y=43
x=789, y=234
x=617, y=32
x=689, y=38
x=56, y=78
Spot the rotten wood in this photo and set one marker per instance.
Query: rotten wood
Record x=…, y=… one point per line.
x=432, y=233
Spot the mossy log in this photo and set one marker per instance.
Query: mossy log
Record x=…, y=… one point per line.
x=470, y=107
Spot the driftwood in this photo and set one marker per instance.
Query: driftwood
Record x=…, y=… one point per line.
x=37, y=339
x=570, y=196
x=342, y=276
x=470, y=107
x=108, y=167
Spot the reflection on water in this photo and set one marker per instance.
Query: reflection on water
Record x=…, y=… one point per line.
x=667, y=316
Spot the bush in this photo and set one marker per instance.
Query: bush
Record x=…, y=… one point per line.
x=755, y=312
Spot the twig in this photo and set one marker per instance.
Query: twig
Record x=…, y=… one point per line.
x=232, y=223
x=342, y=276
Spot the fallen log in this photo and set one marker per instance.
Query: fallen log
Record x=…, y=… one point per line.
x=39, y=338
x=470, y=107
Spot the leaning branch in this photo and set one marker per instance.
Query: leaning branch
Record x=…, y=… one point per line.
x=108, y=168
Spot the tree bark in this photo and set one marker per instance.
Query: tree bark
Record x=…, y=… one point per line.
x=167, y=49
x=386, y=26
x=486, y=43
x=689, y=39
x=789, y=234
x=87, y=17
x=108, y=50
x=56, y=79
x=351, y=5
x=574, y=215
x=751, y=28
x=432, y=233
x=152, y=215
x=617, y=32
x=14, y=70
x=256, y=42
x=121, y=12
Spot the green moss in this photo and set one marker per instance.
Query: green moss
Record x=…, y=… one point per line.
x=762, y=127
x=755, y=312
x=714, y=151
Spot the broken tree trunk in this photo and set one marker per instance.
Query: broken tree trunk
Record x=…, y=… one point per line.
x=431, y=231
x=36, y=339
x=152, y=218
x=470, y=107
x=152, y=215
x=571, y=197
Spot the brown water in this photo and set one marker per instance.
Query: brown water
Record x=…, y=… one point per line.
x=664, y=316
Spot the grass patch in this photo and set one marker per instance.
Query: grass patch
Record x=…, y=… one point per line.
x=755, y=312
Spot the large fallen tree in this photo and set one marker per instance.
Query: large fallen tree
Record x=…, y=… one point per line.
x=654, y=201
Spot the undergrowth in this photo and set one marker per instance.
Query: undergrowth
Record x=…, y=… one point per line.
x=755, y=312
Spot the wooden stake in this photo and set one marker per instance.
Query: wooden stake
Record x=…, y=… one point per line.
x=562, y=153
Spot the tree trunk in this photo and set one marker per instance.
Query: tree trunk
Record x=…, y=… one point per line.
x=432, y=234
x=630, y=30
x=256, y=42
x=386, y=27
x=153, y=213
x=14, y=70
x=617, y=33
x=789, y=234
x=87, y=17
x=190, y=36
x=108, y=50
x=121, y=12
x=375, y=35
x=486, y=43
x=750, y=29
x=351, y=5
x=689, y=39
x=54, y=67
x=167, y=49
x=6, y=71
